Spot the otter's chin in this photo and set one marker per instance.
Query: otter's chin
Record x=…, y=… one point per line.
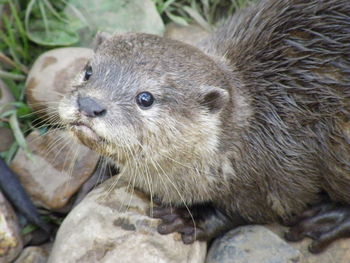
x=85, y=134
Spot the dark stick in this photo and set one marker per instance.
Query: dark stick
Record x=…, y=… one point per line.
x=14, y=191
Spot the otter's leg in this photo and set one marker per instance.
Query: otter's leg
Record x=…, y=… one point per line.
x=203, y=222
x=323, y=223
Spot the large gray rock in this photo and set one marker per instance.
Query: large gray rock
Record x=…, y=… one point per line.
x=110, y=225
x=115, y=17
x=10, y=240
x=252, y=244
x=265, y=244
x=56, y=169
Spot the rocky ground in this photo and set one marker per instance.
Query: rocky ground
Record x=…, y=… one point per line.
x=111, y=223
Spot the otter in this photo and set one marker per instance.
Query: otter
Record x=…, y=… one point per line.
x=250, y=126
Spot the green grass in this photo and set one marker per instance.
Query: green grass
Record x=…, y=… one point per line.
x=31, y=27
x=204, y=12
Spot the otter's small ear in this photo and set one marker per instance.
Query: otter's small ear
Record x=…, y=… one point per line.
x=99, y=39
x=213, y=98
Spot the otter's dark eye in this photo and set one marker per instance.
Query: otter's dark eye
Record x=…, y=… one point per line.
x=144, y=100
x=88, y=73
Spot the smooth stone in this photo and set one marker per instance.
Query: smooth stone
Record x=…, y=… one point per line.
x=117, y=17
x=111, y=225
x=252, y=244
x=33, y=255
x=6, y=136
x=10, y=240
x=56, y=169
x=51, y=76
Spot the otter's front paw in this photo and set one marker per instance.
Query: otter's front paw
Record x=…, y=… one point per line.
x=178, y=220
x=323, y=223
x=199, y=222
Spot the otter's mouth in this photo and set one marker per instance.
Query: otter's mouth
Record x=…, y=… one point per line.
x=84, y=132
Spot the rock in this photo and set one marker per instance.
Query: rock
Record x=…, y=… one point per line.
x=33, y=255
x=57, y=168
x=111, y=225
x=252, y=244
x=191, y=34
x=338, y=252
x=116, y=17
x=6, y=136
x=10, y=240
x=51, y=74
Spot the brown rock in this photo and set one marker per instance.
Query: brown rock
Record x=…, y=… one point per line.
x=191, y=34
x=57, y=168
x=50, y=77
x=33, y=255
x=110, y=225
x=10, y=240
x=6, y=137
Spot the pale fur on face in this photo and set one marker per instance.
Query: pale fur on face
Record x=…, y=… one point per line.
x=170, y=159
x=166, y=150
x=165, y=156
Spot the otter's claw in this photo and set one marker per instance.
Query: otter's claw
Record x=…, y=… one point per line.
x=324, y=224
x=177, y=220
x=200, y=222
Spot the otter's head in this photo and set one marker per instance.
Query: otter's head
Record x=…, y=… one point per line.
x=146, y=97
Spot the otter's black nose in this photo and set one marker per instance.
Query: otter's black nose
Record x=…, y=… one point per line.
x=90, y=107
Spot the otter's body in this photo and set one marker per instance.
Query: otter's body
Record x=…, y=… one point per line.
x=255, y=121
x=292, y=62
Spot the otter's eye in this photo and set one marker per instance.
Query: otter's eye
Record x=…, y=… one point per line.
x=144, y=100
x=88, y=73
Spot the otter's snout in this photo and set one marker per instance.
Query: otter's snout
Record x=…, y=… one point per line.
x=90, y=107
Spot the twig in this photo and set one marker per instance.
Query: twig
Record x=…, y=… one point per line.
x=8, y=75
x=4, y=120
x=5, y=59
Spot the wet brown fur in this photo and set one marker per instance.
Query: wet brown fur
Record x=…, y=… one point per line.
x=292, y=59
x=255, y=121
